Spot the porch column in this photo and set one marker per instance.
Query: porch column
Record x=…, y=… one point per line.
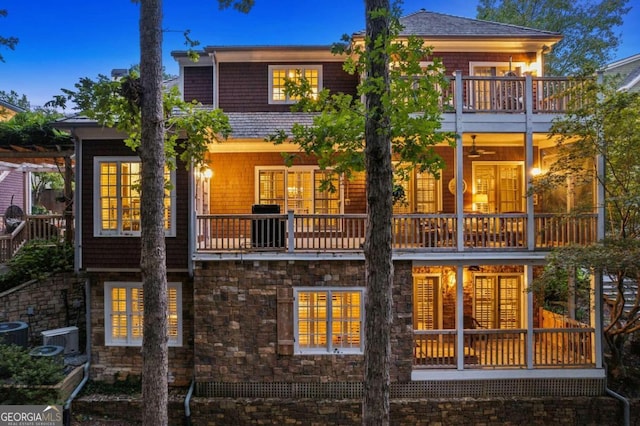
x=600, y=169
x=459, y=171
x=460, y=316
x=528, y=160
x=596, y=316
x=528, y=270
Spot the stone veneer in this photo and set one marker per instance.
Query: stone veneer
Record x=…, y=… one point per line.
x=57, y=301
x=110, y=363
x=236, y=321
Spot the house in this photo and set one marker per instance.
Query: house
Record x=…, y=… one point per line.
x=266, y=270
x=628, y=71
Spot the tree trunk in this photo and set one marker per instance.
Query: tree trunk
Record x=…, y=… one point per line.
x=377, y=250
x=153, y=253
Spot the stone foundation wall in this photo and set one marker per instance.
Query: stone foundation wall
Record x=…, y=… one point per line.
x=56, y=301
x=599, y=411
x=236, y=313
x=110, y=363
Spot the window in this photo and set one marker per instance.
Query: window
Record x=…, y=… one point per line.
x=117, y=197
x=426, y=302
x=328, y=320
x=123, y=313
x=278, y=74
x=421, y=195
x=497, y=301
x=298, y=189
x=502, y=183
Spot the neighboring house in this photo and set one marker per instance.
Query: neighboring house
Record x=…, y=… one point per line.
x=266, y=271
x=13, y=180
x=628, y=71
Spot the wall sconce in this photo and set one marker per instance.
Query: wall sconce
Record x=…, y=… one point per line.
x=536, y=171
x=206, y=173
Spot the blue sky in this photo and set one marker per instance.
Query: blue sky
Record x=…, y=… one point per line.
x=62, y=41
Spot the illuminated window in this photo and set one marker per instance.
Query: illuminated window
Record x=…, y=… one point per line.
x=117, y=197
x=298, y=189
x=497, y=300
x=279, y=74
x=328, y=320
x=124, y=308
x=422, y=194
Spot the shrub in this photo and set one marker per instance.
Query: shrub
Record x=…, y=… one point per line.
x=35, y=260
x=17, y=367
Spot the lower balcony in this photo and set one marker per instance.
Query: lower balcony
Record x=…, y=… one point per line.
x=300, y=233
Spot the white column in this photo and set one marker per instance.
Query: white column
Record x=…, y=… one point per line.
x=460, y=316
x=529, y=311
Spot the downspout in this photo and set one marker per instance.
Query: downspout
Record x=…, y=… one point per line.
x=66, y=410
x=187, y=400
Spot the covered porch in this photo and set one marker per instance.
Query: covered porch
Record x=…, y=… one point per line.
x=491, y=317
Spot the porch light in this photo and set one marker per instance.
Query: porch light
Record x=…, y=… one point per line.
x=207, y=173
x=536, y=171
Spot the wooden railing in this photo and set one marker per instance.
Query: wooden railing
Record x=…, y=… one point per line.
x=35, y=227
x=549, y=95
x=418, y=232
x=506, y=348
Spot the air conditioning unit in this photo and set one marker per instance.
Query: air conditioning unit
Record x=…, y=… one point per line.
x=15, y=332
x=66, y=337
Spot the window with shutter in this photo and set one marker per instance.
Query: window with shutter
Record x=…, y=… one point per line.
x=284, y=323
x=497, y=300
x=124, y=313
x=328, y=320
x=426, y=302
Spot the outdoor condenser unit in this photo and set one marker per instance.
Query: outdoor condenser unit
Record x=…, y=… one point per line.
x=66, y=337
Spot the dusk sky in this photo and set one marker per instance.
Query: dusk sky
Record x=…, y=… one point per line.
x=62, y=41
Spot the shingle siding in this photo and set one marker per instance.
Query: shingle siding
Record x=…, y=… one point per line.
x=124, y=252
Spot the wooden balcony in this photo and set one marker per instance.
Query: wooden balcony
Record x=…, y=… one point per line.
x=536, y=95
x=34, y=227
x=412, y=232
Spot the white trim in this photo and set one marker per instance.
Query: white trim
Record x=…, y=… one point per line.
x=296, y=169
x=475, y=374
x=129, y=340
x=97, y=230
x=328, y=350
x=514, y=65
x=300, y=67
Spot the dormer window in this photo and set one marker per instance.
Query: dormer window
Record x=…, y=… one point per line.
x=279, y=74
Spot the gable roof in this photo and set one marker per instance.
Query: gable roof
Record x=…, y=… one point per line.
x=11, y=107
x=439, y=25
x=432, y=24
x=629, y=70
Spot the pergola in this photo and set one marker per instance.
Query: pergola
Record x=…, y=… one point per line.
x=58, y=155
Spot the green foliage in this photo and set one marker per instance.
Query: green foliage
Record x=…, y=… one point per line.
x=604, y=123
x=116, y=104
x=413, y=103
x=15, y=99
x=17, y=367
x=9, y=42
x=33, y=128
x=35, y=260
x=588, y=28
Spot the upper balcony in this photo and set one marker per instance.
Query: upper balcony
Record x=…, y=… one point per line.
x=324, y=233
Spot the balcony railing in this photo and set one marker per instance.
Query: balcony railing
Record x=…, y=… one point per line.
x=548, y=95
x=35, y=227
x=418, y=232
x=506, y=348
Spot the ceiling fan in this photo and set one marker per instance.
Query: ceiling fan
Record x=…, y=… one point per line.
x=475, y=152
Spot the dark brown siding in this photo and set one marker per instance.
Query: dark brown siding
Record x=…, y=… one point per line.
x=198, y=84
x=244, y=87
x=124, y=252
